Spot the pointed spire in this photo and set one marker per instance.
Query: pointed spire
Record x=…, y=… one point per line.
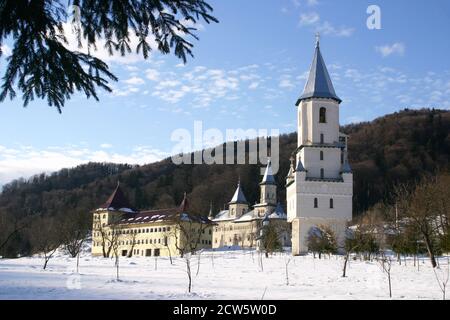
x=117, y=200
x=319, y=84
x=184, y=206
x=300, y=167
x=238, y=196
x=268, y=174
x=346, y=166
x=211, y=214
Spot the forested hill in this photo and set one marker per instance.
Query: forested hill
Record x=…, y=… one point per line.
x=394, y=148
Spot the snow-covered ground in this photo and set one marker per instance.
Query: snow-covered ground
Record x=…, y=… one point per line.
x=222, y=275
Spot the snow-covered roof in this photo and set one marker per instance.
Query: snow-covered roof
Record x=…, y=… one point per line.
x=278, y=213
x=249, y=216
x=239, y=196
x=223, y=215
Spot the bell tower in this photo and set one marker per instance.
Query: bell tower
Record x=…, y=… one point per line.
x=320, y=188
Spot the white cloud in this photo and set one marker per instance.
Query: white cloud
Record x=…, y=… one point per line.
x=123, y=92
x=397, y=48
x=134, y=81
x=152, y=74
x=253, y=85
x=327, y=28
x=312, y=3
x=106, y=146
x=286, y=83
x=312, y=19
x=25, y=161
x=307, y=19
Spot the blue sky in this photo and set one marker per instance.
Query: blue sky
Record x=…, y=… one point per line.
x=247, y=72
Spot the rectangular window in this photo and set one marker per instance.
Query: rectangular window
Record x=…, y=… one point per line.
x=148, y=252
x=157, y=253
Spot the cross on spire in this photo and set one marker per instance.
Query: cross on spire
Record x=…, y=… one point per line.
x=317, y=39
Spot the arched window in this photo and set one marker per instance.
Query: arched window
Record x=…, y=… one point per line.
x=322, y=173
x=322, y=138
x=331, y=203
x=316, y=203
x=323, y=115
x=321, y=155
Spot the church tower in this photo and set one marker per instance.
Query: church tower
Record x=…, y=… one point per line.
x=268, y=193
x=320, y=181
x=238, y=205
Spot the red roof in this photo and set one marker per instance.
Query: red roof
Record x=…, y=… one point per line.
x=117, y=200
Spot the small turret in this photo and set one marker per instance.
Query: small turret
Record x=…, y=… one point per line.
x=238, y=204
x=184, y=206
x=211, y=214
x=268, y=187
x=347, y=173
x=290, y=177
x=300, y=171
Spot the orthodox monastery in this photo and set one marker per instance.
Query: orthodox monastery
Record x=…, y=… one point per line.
x=319, y=191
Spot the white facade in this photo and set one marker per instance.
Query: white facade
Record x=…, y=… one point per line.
x=320, y=183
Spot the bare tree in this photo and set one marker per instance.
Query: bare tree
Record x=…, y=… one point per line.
x=8, y=230
x=442, y=277
x=386, y=265
x=187, y=233
x=352, y=243
x=422, y=208
x=115, y=250
x=187, y=260
x=45, y=237
x=109, y=235
x=74, y=231
x=199, y=253
x=287, y=261
x=130, y=238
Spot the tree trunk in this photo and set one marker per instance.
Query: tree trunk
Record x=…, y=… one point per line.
x=344, y=273
x=45, y=262
x=390, y=287
x=198, y=263
x=430, y=251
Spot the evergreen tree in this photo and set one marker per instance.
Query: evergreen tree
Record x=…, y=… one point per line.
x=42, y=66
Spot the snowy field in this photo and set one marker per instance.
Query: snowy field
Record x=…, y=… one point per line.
x=222, y=275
